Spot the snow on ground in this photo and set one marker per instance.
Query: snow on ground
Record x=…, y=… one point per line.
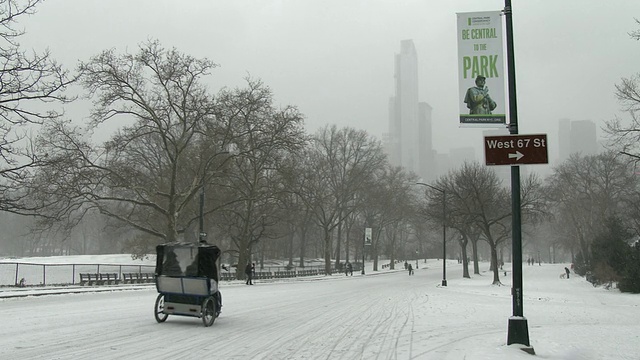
x=381, y=315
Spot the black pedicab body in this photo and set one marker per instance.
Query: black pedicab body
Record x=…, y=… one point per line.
x=187, y=282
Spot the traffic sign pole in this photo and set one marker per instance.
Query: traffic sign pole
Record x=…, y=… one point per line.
x=518, y=332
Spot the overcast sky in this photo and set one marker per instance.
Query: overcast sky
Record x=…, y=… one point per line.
x=334, y=59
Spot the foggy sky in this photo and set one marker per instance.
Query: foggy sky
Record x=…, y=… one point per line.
x=334, y=59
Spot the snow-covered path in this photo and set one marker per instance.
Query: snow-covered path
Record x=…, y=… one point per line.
x=386, y=315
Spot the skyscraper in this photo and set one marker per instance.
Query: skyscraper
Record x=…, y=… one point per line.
x=409, y=141
x=577, y=137
x=564, y=133
x=583, y=138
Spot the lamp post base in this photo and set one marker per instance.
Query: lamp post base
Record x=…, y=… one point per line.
x=444, y=282
x=518, y=333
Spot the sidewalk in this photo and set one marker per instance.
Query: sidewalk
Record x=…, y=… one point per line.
x=16, y=292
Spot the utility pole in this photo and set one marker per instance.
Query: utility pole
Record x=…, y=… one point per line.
x=518, y=332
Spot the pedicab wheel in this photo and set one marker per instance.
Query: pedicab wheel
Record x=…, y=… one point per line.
x=208, y=311
x=159, y=309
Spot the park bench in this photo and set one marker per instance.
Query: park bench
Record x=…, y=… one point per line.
x=88, y=279
x=227, y=276
x=308, y=272
x=129, y=278
x=108, y=278
x=137, y=278
x=263, y=275
x=284, y=274
x=98, y=278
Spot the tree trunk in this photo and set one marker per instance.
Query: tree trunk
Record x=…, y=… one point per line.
x=465, y=264
x=338, y=241
x=474, y=249
x=494, y=263
x=290, y=250
x=303, y=243
x=327, y=251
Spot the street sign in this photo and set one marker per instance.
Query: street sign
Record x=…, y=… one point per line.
x=516, y=149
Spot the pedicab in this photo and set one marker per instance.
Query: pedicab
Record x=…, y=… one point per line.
x=187, y=281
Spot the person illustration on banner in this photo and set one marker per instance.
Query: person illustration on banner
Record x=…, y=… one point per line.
x=477, y=98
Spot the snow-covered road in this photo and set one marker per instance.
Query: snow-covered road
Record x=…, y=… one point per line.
x=388, y=315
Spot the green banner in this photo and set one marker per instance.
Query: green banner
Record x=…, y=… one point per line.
x=481, y=73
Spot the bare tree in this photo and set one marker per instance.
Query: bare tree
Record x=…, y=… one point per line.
x=584, y=190
x=32, y=92
x=151, y=170
x=625, y=136
x=264, y=136
x=338, y=163
x=478, y=203
x=387, y=207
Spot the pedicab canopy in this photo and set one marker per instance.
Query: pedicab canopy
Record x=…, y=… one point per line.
x=187, y=259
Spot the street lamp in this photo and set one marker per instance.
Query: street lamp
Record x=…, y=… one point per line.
x=202, y=235
x=444, y=231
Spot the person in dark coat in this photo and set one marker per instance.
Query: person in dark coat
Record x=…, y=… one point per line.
x=566, y=269
x=248, y=270
x=170, y=265
x=410, y=269
x=349, y=269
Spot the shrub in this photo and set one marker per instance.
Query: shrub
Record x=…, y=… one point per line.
x=630, y=281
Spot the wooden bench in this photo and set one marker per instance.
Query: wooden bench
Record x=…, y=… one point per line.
x=99, y=278
x=88, y=279
x=137, y=278
x=263, y=275
x=227, y=276
x=284, y=274
x=307, y=272
x=108, y=279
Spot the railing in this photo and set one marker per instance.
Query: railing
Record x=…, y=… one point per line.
x=12, y=274
x=32, y=274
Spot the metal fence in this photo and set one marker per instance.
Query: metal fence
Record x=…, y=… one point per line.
x=11, y=274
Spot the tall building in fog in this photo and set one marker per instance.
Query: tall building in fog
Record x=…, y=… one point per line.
x=409, y=141
x=577, y=137
x=564, y=134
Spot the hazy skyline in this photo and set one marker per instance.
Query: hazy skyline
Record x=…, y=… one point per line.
x=334, y=59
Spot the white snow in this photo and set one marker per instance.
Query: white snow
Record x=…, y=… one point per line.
x=381, y=315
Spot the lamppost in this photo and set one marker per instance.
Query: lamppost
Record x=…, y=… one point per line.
x=444, y=231
x=364, y=243
x=203, y=235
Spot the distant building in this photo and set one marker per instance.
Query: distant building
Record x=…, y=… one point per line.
x=443, y=164
x=459, y=156
x=564, y=134
x=583, y=138
x=577, y=137
x=426, y=159
x=409, y=140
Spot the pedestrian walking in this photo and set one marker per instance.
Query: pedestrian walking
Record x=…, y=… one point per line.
x=249, y=271
x=566, y=269
x=410, y=269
